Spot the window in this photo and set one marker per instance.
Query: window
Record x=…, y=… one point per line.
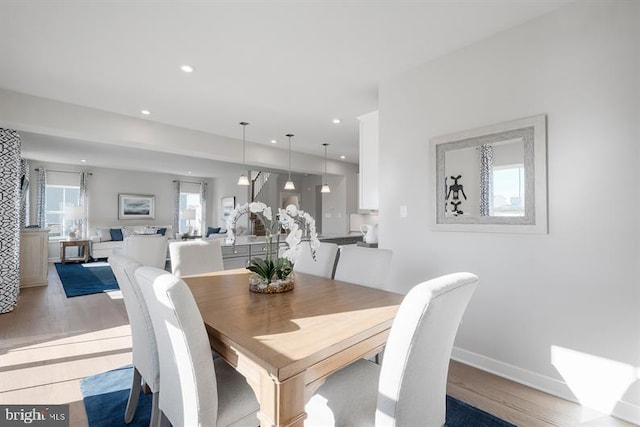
x=190, y=215
x=58, y=199
x=508, y=191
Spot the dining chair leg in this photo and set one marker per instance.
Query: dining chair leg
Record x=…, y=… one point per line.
x=155, y=411
x=134, y=394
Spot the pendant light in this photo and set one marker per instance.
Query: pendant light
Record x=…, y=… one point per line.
x=325, y=187
x=289, y=185
x=244, y=179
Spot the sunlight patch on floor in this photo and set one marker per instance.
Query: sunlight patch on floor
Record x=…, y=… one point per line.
x=71, y=337
x=58, y=358
x=596, y=382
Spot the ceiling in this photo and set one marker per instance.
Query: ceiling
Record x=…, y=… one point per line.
x=283, y=66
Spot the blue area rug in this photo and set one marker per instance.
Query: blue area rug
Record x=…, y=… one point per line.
x=85, y=279
x=105, y=399
x=460, y=414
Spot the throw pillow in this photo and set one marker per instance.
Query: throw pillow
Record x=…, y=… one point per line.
x=116, y=234
x=212, y=230
x=161, y=230
x=104, y=234
x=127, y=232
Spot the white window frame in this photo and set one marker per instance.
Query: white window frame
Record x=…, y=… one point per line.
x=64, y=231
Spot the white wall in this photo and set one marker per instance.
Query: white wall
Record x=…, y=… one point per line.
x=576, y=288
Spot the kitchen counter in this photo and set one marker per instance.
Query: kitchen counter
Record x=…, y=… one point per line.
x=341, y=239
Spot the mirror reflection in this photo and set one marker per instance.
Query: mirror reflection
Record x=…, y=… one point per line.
x=492, y=177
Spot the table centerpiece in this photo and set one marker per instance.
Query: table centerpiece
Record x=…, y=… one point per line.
x=274, y=273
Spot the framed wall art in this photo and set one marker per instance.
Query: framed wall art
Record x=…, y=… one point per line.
x=136, y=206
x=493, y=179
x=227, y=204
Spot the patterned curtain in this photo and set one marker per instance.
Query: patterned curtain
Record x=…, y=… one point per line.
x=177, y=186
x=41, y=197
x=203, y=202
x=84, y=202
x=486, y=180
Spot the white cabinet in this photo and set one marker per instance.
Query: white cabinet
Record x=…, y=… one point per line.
x=236, y=256
x=33, y=256
x=368, y=178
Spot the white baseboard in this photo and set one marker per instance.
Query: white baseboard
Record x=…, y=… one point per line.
x=624, y=410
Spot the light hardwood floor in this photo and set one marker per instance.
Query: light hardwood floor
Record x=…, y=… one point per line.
x=50, y=342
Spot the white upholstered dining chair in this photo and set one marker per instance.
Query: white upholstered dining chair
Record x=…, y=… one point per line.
x=409, y=389
x=363, y=266
x=143, y=341
x=147, y=249
x=195, y=257
x=324, y=263
x=196, y=389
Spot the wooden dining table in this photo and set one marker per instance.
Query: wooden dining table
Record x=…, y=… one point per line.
x=286, y=344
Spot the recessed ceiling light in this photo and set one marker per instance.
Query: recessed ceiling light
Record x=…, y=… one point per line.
x=343, y=157
x=187, y=68
x=84, y=160
x=189, y=172
x=336, y=121
x=145, y=112
x=273, y=141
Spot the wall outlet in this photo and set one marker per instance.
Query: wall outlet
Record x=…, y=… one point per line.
x=403, y=211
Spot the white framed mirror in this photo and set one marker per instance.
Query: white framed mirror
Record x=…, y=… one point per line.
x=493, y=179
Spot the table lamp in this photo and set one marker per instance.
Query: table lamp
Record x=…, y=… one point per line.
x=189, y=215
x=75, y=214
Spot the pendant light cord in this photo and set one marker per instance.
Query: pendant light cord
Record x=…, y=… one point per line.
x=289, y=135
x=244, y=128
x=325, y=161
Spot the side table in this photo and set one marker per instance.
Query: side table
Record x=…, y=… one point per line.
x=83, y=250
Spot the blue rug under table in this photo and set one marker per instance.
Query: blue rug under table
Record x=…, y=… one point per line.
x=85, y=279
x=105, y=399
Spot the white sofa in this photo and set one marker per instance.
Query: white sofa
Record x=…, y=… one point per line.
x=103, y=245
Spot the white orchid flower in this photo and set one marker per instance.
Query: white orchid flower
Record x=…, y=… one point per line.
x=267, y=213
x=291, y=254
x=292, y=210
x=296, y=221
x=294, y=238
x=257, y=207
